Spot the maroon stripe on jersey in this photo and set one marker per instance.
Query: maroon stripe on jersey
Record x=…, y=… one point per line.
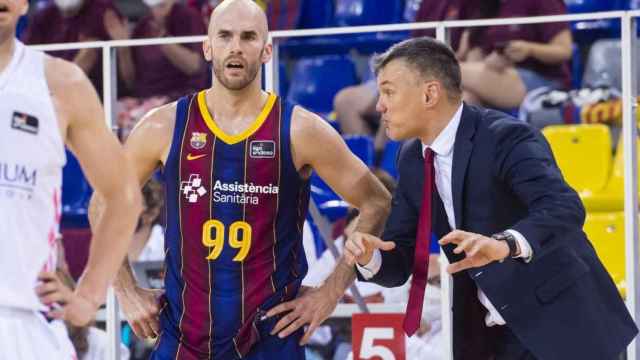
x=262, y=160
x=303, y=204
x=196, y=164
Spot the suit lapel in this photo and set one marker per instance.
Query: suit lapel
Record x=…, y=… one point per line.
x=461, y=155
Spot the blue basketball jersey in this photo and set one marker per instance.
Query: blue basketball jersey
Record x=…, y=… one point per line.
x=235, y=209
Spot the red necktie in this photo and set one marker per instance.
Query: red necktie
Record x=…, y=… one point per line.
x=413, y=314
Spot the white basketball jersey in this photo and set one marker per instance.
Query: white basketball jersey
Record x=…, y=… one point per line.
x=31, y=160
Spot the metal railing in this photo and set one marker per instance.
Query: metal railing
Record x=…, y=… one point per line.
x=629, y=94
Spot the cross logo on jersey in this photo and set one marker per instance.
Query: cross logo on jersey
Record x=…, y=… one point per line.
x=192, y=189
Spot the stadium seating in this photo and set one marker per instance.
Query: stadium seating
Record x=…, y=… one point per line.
x=585, y=32
x=604, y=64
x=362, y=147
x=584, y=156
x=315, y=14
x=76, y=193
x=587, y=6
x=368, y=12
x=388, y=160
x=583, y=153
x=577, y=67
x=316, y=80
x=329, y=203
x=411, y=8
x=346, y=13
x=283, y=14
x=612, y=197
x=283, y=79
x=606, y=232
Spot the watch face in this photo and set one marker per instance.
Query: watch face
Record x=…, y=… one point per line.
x=500, y=236
x=513, y=247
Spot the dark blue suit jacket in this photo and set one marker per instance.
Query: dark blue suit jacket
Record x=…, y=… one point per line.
x=562, y=304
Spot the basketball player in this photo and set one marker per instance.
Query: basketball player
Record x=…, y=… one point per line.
x=236, y=162
x=46, y=103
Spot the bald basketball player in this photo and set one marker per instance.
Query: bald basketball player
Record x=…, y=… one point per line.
x=237, y=162
x=45, y=104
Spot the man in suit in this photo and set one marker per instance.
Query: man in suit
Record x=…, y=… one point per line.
x=527, y=284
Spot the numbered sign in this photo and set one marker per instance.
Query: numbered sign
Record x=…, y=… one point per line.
x=378, y=337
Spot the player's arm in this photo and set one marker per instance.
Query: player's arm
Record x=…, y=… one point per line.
x=146, y=147
x=317, y=145
x=105, y=165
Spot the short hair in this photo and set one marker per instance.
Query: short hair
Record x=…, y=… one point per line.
x=428, y=56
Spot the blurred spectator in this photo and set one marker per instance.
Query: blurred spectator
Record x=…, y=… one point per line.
x=130, y=110
x=155, y=75
x=435, y=10
x=205, y=7
x=148, y=240
x=355, y=105
x=165, y=70
x=517, y=58
x=64, y=21
x=282, y=14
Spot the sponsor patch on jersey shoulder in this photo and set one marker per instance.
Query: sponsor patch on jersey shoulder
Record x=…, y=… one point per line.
x=24, y=122
x=262, y=149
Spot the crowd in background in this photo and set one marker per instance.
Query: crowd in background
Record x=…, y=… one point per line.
x=501, y=67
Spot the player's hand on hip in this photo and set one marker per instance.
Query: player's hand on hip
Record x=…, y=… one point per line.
x=312, y=307
x=360, y=246
x=64, y=303
x=479, y=250
x=140, y=307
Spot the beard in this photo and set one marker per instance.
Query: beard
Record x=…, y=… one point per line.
x=237, y=83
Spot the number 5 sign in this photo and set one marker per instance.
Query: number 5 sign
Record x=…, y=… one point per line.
x=378, y=337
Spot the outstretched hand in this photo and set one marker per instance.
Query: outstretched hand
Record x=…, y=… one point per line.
x=360, y=247
x=479, y=249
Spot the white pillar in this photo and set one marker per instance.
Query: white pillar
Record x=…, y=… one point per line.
x=109, y=96
x=629, y=134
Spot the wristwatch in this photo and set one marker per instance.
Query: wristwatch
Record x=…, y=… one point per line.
x=514, y=250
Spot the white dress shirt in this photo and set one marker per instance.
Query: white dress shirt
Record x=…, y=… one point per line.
x=443, y=146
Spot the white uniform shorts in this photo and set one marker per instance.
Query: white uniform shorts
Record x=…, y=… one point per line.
x=27, y=335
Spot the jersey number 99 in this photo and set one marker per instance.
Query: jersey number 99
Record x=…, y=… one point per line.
x=213, y=236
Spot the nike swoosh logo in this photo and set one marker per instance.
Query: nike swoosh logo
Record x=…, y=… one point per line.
x=195, y=157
